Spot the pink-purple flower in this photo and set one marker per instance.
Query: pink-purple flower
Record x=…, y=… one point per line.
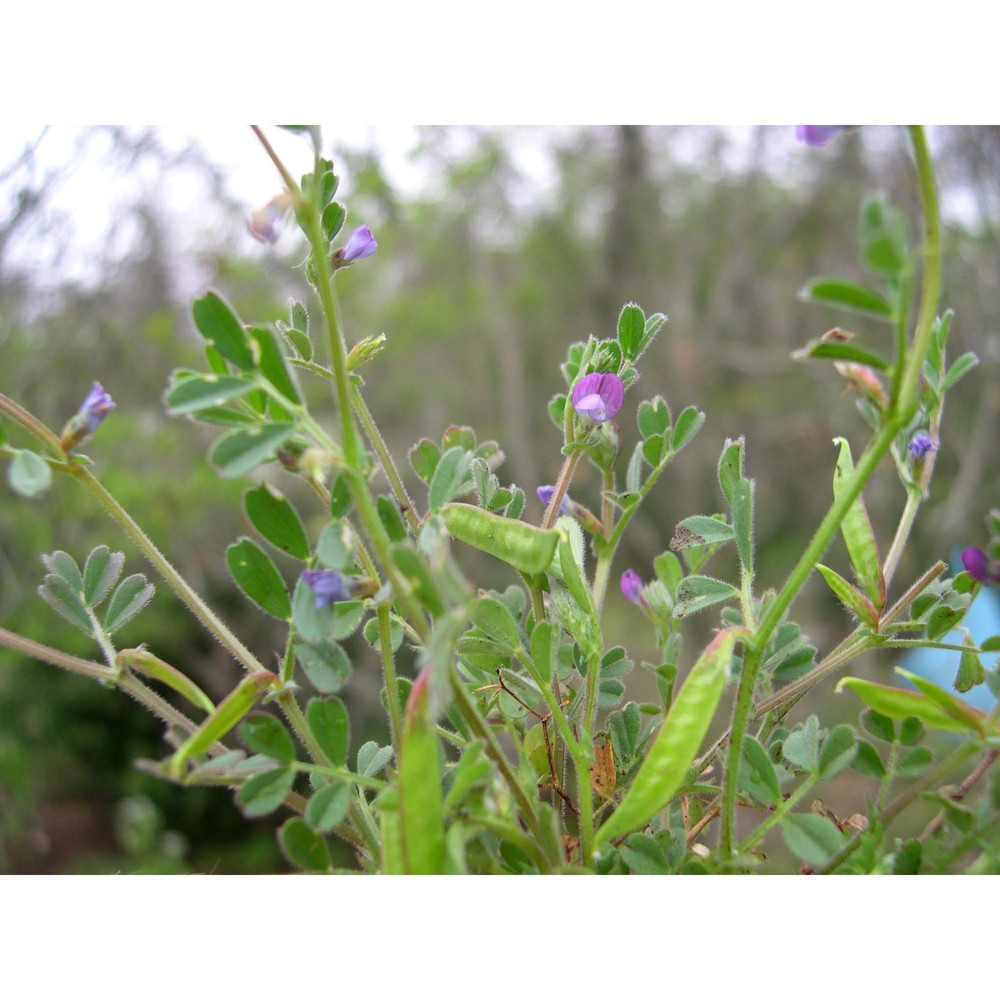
x=598, y=396
x=818, y=135
x=632, y=585
x=360, y=244
x=980, y=566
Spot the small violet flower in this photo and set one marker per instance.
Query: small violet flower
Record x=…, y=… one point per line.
x=359, y=244
x=598, y=396
x=328, y=585
x=264, y=224
x=921, y=444
x=96, y=407
x=87, y=419
x=818, y=135
x=632, y=585
x=980, y=567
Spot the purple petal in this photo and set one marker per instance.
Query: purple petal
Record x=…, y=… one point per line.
x=631, y=585
x=360, y=244
x=96, y=407
x=977, y=565
x=328, y=585
x=921, y=444
x=598, y=396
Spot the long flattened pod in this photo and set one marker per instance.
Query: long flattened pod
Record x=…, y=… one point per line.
x=523, y=546
x=676, y=745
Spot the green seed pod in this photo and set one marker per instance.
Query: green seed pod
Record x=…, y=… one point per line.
x=523, y=546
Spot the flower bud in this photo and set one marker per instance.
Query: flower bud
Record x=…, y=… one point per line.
x=359, y=244
x=87, y=419
x=980, y=567
x=632, y=587
x=922, y=443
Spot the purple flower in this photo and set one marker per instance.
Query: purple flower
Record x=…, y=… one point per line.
x=818, y=135
x=264, y=223
x=545, y=494
x=328, y=585
x=921, y=444
x=87, y=419
x=96, y=407
x=598, y=397
x=632, y=585
x=979, y=566
x=359, y=244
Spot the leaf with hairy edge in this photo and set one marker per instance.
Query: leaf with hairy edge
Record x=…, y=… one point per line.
x=100, y=573
x=898, y=704
x=132, y=595
x=303, y=847
x=192, y=393
x=695, y=593
x=849, y=596
x=29, y=474
x=240, y=450
x=277, y=521
x=836, y=292
x=220, y=326
x=258, y=578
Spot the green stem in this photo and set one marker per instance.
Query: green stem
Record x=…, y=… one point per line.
x=898, y=416
x=537, y=599
x=582, y=757
x=31, y=423
x=741, y=716
x=482, y=731
x=777, y=815
x=955, y=759
x=374, y=436
x=389, y=672
x=602, y=573
x=291, y=711
x=562, y=724
x=560, y=488
x=914, y=497
x=132, y=686
x=964, y=844
x=56, y=657
x=174, y=580
x=931, y=289
x=782, y=701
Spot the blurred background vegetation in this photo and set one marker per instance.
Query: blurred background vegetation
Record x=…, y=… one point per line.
x=485, y=274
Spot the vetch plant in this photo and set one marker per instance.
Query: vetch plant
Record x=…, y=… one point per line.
x=507, y=744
